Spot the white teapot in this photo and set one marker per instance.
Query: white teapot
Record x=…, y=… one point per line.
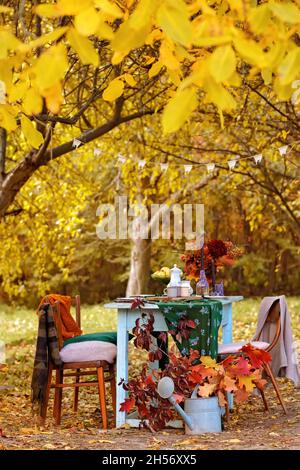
x=176, y=274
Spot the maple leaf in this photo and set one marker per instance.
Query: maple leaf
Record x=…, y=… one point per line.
x=206, y=390
x=240, y=395
x=178, y=397
x=127, y=404
x=229, y=384
x=207, y=361
x=257, y=356
x=241, y=367
x=247, y=382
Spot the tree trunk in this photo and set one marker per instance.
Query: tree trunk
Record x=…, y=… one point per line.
x=139, y=267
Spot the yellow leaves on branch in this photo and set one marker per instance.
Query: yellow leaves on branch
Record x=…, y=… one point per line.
x=173, y=18
x=31, y=134
x=179, y=109
x=84, y=48
x=114, y=90
x=222, y=63
x=51, y=66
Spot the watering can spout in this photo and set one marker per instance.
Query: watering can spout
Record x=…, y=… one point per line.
x=165, y=389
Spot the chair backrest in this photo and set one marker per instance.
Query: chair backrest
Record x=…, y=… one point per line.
x=75, y=301
x=273, y=317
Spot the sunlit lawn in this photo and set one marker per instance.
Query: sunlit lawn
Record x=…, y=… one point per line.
x=18, y=329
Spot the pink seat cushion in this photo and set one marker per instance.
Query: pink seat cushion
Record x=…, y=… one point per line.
x=89, y=351
x=233, y=348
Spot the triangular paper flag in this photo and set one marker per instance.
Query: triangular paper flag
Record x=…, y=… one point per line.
x=121, y=159
x=142, y=163
x=258, y=158
x=188, y=168
x=210, y=167
x=97, y=152
x=76, y=143
x=231, y=164
x=283, y=149
x=164, y=166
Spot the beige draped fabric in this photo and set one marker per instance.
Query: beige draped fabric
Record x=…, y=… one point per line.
x=284, y=354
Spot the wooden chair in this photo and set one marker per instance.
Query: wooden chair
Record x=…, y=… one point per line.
x=103, y=371
x=273, y=317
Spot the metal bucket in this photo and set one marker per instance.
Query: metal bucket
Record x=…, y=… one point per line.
x=205, y=414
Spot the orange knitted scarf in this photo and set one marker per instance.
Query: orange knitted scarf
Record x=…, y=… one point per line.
x=69, y=325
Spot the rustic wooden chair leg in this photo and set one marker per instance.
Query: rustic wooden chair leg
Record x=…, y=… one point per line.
x=101, y=390
x=76, y=391
x=59, y=390
x=275, y=385
x=113, y=390
x=264, y=399
x=44, y=407
x=227, y=415
x=56, y=390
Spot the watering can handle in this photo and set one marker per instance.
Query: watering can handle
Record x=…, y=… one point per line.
x=195, y=394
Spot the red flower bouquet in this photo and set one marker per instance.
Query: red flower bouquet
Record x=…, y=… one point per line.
x=222, y=253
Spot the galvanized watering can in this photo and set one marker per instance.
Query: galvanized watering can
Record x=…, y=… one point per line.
x=201, y=415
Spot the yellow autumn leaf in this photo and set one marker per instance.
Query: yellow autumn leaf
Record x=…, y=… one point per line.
x=18, y=91
x=155, y=69
x=142, y=14
x=209, y=41
x=167, y=56
x=51, y=66
x=246, y=381
x=287, y=11
x=217, y=94
x=42, y=40
x=32, y=103
x=173, y=18
x=208, y=361
x=114, y=90
x=127, y=38
x=87, y=22
x=8, y=42
x=7, y=117
x=289, y=69
x=63, y=8
x=222, y=63
x=110, y=8
x=129, y=79
x=251, y=52
x=54, y=97
x=84, y=48
x=259, y=17
x=284, y=92
x=31, y=134
x=179, y=109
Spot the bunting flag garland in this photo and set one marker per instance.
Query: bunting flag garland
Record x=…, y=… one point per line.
x=231, y=164
x=76, y=143
x=258, y=158
x=142, y=163
x=164, y=166
x=188, y=168
x=121, y=159
x=210, y=167
x=283, y=150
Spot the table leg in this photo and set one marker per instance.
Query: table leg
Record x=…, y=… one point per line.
x=227, y=338
x=122, y=364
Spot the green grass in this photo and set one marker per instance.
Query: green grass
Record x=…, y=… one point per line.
x=18, y=324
